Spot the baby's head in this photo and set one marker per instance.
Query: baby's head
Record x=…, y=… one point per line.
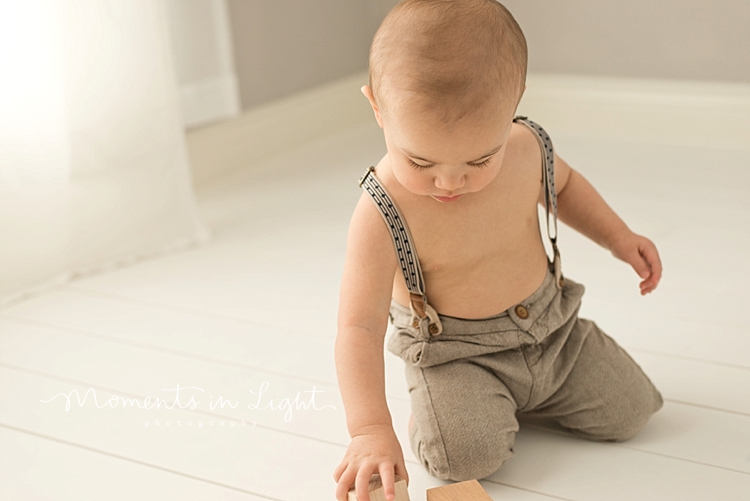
x=446, y=67
x=453, y=57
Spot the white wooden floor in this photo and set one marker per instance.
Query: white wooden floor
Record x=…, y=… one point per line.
x=254, y=311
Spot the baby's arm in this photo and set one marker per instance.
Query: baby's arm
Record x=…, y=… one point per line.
x=362, y=322
x=583, y=209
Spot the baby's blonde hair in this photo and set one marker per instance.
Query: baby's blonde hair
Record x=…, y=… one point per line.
x=458, y=54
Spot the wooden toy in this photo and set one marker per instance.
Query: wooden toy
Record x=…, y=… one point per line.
x=377, y=492
x=470, y=490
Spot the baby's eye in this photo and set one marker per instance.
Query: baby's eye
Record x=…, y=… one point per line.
x=483, y=163
x=418, y=166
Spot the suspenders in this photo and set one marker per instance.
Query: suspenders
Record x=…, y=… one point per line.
x=404, y=244
x=405, y=250
x=550, y=195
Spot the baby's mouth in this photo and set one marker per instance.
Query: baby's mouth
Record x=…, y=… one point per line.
x=448, y=199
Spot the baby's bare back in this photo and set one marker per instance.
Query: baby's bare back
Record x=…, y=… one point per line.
x=483, y=253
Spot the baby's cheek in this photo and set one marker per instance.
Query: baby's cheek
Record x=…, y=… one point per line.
x=484, y=179
x=418, y=184
x=421, y=186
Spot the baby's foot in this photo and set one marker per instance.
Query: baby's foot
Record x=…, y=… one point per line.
x=411, y=422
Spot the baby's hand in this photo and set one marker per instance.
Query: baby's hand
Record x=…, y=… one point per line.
x=641, y=254
x=376, y=451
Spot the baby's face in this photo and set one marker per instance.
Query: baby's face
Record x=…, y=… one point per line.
x=446, y=163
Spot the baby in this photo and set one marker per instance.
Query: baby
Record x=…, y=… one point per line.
x=486, y=323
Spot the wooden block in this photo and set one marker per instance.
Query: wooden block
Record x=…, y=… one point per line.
x=471, y=490
x=377, y=493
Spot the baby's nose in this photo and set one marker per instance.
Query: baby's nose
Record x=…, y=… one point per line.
x=450, y=182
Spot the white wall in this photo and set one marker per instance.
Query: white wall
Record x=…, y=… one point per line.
x=664, y=39
x=285, y=46
x=204, y=64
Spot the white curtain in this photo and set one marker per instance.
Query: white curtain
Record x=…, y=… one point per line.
x=93, y=165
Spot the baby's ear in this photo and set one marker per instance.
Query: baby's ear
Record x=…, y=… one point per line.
x=367, y=91
x=523, y=91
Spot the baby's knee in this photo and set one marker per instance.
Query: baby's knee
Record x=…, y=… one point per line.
x=623, y=420
x=471, y=466
x=464, y=456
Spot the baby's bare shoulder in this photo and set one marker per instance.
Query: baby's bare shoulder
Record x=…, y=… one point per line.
x=523, y=146
x=367, y=223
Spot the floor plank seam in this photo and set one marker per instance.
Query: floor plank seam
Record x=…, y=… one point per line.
x=112, y=297
x=685, y=459
x=625, y=446
x=54, y=377
x=159, y=349
x=687, y=357
x=136, y=461
x=186, y=355
x=701, y=406
x=710, y=323
x=551, y=496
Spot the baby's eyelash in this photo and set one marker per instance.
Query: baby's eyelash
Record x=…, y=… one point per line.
x=417, y=166
x=482, y=164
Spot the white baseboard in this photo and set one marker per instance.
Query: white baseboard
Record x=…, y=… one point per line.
x=673, y=112
x=277, y=126
x=210, y=100
x=662, y=111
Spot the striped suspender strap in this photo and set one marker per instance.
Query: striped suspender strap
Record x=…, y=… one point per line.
x=403, y=243
x=550, y=195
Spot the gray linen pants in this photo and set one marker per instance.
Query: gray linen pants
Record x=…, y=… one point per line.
x=537, y=358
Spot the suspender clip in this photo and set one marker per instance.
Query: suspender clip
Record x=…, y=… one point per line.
x=418, y=305
x=421, y=310
x=559, y=280
x=364, y=176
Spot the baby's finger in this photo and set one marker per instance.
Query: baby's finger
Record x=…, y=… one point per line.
x=656, y=269
x=344, y=484
x=339, y=470
x=386, y=476
x=641, y=267
x=651, y=255
x=648, y=285
x=362, y=484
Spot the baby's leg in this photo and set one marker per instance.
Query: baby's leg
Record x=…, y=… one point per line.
x=464, y=420
x=605, y=395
